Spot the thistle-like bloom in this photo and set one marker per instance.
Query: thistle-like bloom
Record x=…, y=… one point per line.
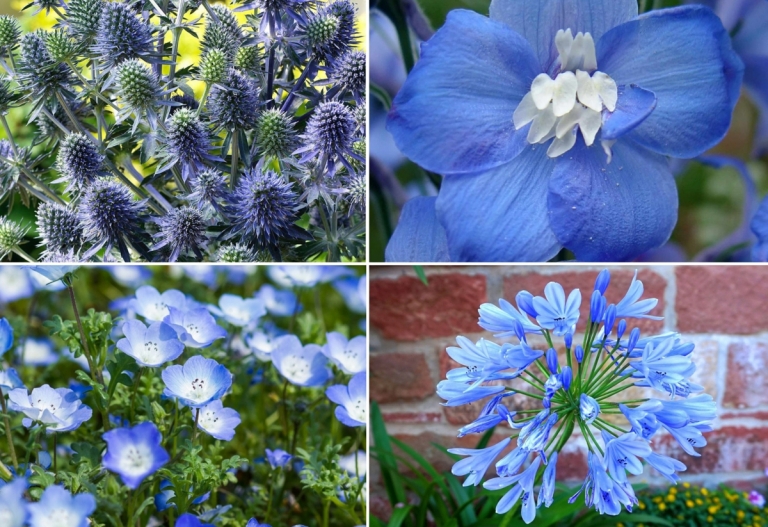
x=151, y=346
x=235, y=253
x=224, y=34
x=187, y=143
x=197, y=383
x=214, y=65
x=121, y=35
x=60, y=410
x=59, y=228
x=209, y=190
x=10, y=32
x=348, y=354
x=352, y=401
x=109, y=215
x=182, y=231
x=83, y=17
x=330, y=32
x=13, y=508
x=11, y=236
x=330, y=134
x=275, y=133
x=217, y=421
x=248, y=59
x=349, y=74
x=196, y=328
x=300, y=365
x=278, y=458
x=265, y=209
x=153, y=306
x=547, y=90
x=38, y=72
x=79, y=162
x=139, y=91
x=233, y=103
x=135, y=453
x=58, y=507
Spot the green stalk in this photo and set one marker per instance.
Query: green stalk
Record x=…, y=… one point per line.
x=21, y=252
x=235, y=158
x=8, y=434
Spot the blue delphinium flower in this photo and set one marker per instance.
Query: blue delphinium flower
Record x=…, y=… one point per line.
x=278, y=458
x=154, y=306
x=556, y=129
x=238, y=311
x=13, y=508
x=196, y=328
x=353, y=408
x=217, y=421
x=348, y=354
x=151, y=346
x=135, y=453
x=58, y=507
x=198, y=382
x=277, y=302
x=6, y=335
x=575, y=393
x=60, y=410
x=300, y=365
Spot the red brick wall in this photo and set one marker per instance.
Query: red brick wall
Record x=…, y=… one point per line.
x=722, y=309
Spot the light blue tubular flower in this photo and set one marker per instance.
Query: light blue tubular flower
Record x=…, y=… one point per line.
x=576, y=392
x=197, y=383
x=196, y=327
x=58, y=507
x=217, y=421
x=277, y=302
x=9, y=380
x=151, y=346
x=135, y=453
x=348, y=354
x=301, y=365
x=60, y=410
x=6, y=335
x=152, y=305
x=239, y=311
x=353, y=408
x=190, y=520
x=13, y=508
x=556, y=127
x=278, y=458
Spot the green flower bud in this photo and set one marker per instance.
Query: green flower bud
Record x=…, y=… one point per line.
x=239, y=252
x=84, y=17
x=60, y=45
x=247, y=59
x=138, y=84
x=322, y=30
x=214, y=66
x=275, y=134
x=10, y=31
x=11, y=236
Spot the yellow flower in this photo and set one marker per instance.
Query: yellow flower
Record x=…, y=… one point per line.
x=687, y=485
x=712, y=509
x=699, y=502
x=704, y=492
x=662, y=507
x=710, y=519
x=689, y=504
x=670, y=498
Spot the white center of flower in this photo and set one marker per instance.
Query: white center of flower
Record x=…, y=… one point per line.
x=157, y=311
x=297, y=368
x=64, y=518
x=574, y=99
x=136, y=460
x=193, y=330
x=198, y=391
x=150, y=352
x=209, y=420
x=358, y=410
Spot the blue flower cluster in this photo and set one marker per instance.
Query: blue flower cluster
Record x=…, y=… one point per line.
x=581, y=388
x=264, y=161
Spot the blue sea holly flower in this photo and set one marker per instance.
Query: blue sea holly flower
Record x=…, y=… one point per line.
x=13, y=508
x=217, y=421
x=6, y=335
x=558, y=122
x=196, y=328
x=134, y=453
x=523, y=489
x=477, y=462
x=301, y=365
x=151, y=346
x=554, y=312
x=277, y=302
x=152, y=305
x=350, y=355
x=58, y=507
x=197, y=383
x=352, y=409
x=278, y=458
x=60, y=410
x=10, y=380
x=239, y=311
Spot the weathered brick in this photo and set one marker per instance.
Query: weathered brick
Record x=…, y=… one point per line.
x=721, y=299
x=397, y=377
x=654, y=286
x=412, y=417
x=747, y=381
x=405, y=309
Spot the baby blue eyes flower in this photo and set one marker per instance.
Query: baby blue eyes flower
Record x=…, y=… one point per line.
x=238, y=311
x=196, y=328
x=197, y=383
x=9, y=380
x=53, y=273
x=13, y=508
x=305, y=275
x=60, y=410
x=278, y=458
x=58, y=507
x=151, y=346
x=554, y=312
x=253, y=522
x=353, y=408
x=551, y=105
x=134, y=453
x=189, y=520
x=300, y=365
x=263, y=343
x=152, y=305
x=349, y=355
x=277, y=302
x=217, y=421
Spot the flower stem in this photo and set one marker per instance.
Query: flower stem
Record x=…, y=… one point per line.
x=8, y=434
x=235, y=158
x=136, y=383
x=21, y=252
x=55, y=458
x=197, y=420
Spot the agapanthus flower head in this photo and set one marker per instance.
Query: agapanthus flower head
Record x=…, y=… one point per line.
x=575, y=394
x=209, y=190
x=60, y=410
x=233, y=104
x=58, y=507
x=11, y=236
x=224, y=34
x=275, y=133
x=79, y=162
x=135, y=453
x=182, y=231
x=10, y=32
x=38, y=72
x=349, y=74
x=109, y=214
x=121, y=35
x=265, y=209
x=83, y=17
x=59, y=228
x=214, y=65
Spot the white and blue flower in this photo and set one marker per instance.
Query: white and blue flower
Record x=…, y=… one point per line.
x=134, y=453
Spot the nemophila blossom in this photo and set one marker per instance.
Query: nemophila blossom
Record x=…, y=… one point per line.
x=217, y=421
x=353, y=290
x=153, y=306
x=196, y=327
x=348, y=354
x=58, y=507
x=278, y=458
x=13, y=508
x=38, y=351
x=60, y=410
x=263, y=342
x=53, y=273
x=253, y=522
x=198, y=382
x=151, y=346
x=277, y=302
x=189, y=520
x=575, y=394
x=6, y=335
x=167, y=493
x=556, y=128
x=305, y=275
x=240, y=311
x=9, y=380
x=135, y=453
x=353, y=408
x=300, y=365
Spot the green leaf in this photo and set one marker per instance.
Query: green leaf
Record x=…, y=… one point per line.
x=420, y=273
x=387, y=461
x=398, y=515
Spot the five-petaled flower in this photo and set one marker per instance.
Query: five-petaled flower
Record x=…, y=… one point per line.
x=135, y=453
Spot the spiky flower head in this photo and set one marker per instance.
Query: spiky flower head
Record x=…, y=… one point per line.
x=38, y=71
x=224, y=34
x=79, y=161
x=234, y=104
x=58, y=228
x=83, y=17
x=247, y=59
x=265, y=209
x=11, y=236
x=321, y=32
x=60, y=45
x=7, y=97
x=214, y=65
x=182, y=230
x=70, y=255
x=46, y=5
x=187, y=140
x=275, y=134
x=121, y=35
x=359, y=149
x=187, y=101
x=346, y=11
x=108, y=213
x=356, y=193
x=209, y=189
x=235, y=252
x=139, y=90
x=349, y=73
x=361, y=116
x=331, y=130
x=10, y=32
